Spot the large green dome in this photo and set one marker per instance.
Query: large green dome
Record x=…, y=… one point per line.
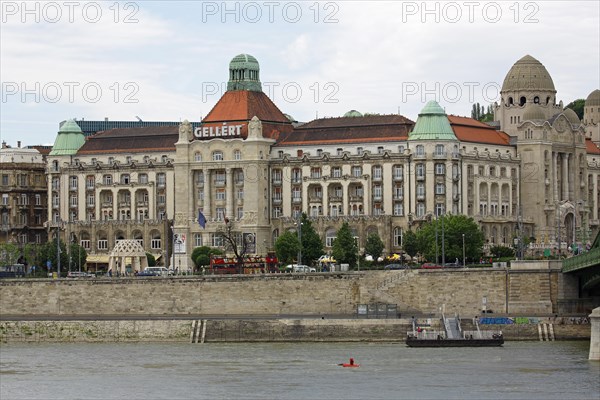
x=70, y=138
x=432, y=124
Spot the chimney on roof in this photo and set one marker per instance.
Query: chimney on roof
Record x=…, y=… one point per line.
x=19, y=144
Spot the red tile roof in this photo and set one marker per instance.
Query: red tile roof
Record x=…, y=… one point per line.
x=243, y=105
x=371, y=128
x=132, y=140
x=591, y=147
x=470, y=130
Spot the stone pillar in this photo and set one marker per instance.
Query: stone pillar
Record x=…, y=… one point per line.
x=565, y=176
x=595, y=335
x=594, y=201
x=229, y=193
x=207, y=195
x=555, y=175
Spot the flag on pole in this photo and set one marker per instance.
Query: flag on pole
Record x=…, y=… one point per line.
x=201, y=219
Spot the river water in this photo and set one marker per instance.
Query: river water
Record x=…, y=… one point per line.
x=519, y=370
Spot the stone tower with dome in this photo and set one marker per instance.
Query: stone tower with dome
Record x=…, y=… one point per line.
x=591, y=117
x=551, y=143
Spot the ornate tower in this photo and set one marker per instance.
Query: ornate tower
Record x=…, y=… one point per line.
x=244, y=74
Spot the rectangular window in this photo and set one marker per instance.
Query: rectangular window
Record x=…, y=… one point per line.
x=4, y=180
x=240, y=212
x=440, y=169
x=217, y=240
x=73, y=200
x=380, y=150
x=197, y=239
x=356, y=171
x=377, y=192
x=315, y=172
x=90, y=182
x=102, y=244
x=276, y=212
x=161, y=198
x=336, y=172
x=143, y=178
x=377, y=172
x=38, y=199
x=55, y=183
x=86, y=244
x=398, y=209
x=156, y=244
x=4, y=199
x=220, y=194
x=440, y=188
x=220, y=213
x=161, y=179
x=91, y=200
x=240, y=194
x=72, y=183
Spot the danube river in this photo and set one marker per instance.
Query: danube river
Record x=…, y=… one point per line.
x=519, y=370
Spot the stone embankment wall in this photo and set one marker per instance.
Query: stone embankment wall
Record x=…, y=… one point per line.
x=415, y=292
x=231, y=330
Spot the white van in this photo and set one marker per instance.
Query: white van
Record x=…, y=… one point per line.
x=299, y=268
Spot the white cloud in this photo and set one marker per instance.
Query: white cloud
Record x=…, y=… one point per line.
x=365, y=61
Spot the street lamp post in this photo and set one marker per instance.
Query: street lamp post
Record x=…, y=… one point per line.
x=58, y=247
x=299, y=240
x=464, y=259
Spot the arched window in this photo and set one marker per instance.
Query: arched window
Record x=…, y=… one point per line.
x=197, y=156
x=217, y=156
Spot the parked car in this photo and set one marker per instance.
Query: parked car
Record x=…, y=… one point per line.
x=147, y=272
x=431, y=266
x=299, y=268
x=159, y=270
x=77, y=274
x=395, y=266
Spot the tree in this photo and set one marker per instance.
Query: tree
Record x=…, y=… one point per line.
x=502, y=251
x=48, y=252
x=482, y=113
x=286, y=247
x=234, y=242
x=577, y=106
x=374, y=245
x=77, y=258
x=454, y=227
x=410, y=243
x=344, y=246
x=312, y=246
x=151, y=259
x=201, y=255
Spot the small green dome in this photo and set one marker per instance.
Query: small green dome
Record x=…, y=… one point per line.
x=533, y=112
x=353, y=113
x=244, y=74
x=432, y=124
x=70, y=138
x=571, y=116
x=593, y=99
x=242, y=61
x=69, y=126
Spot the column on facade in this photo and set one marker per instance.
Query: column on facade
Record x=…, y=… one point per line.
x=594, y=200
x=207, y=208
x=449, y=187
x=132, y=205
x=476, y=194
x=229, y=192
x=565, y=176
x=367, y=197
x=555, y=175
x=345, y=197
x=115, y=204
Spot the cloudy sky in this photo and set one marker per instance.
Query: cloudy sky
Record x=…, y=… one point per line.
x=168, y=60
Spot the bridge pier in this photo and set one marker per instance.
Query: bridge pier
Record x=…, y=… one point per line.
x=595, y=335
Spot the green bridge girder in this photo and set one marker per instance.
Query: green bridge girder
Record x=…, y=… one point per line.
x=586, y=266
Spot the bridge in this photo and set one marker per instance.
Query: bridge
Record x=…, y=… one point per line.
x=586, y=267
